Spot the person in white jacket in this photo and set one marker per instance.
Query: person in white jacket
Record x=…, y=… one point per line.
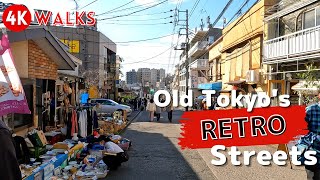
x=151, y=107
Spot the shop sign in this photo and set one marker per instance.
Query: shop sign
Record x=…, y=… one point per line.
x=74, y=46
x=12, y=96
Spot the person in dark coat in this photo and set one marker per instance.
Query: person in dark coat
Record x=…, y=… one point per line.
x=139, y=103
x=9, y=166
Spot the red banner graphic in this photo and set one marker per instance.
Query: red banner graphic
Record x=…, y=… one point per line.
x=237, y=127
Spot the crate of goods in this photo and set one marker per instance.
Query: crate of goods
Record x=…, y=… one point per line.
x=38, y=139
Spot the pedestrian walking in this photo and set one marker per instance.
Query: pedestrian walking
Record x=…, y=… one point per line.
x=158, y=112
x=145, y=101
x=151, y=107
x=135, y=105
x=313, y=120
x=139, y=103
x=170, y=110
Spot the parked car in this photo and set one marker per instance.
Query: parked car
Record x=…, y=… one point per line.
x=110, y=106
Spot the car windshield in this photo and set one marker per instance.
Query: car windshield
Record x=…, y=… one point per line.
x=112, y=101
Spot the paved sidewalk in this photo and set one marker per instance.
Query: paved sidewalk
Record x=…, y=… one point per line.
x=155, y=153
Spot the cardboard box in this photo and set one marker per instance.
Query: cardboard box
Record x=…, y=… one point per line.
x=42, y=138
x=61, y=145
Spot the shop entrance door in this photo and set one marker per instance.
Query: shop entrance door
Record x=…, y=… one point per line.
x=280, y=86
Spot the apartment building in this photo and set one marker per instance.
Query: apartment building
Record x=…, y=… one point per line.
x=198, y=56
x=144, y=76
x=292, y=40
x=131, y=77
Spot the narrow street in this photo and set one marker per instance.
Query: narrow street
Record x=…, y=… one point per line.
x=155, y=153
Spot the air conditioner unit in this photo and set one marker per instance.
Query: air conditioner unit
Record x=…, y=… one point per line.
x=253, y=76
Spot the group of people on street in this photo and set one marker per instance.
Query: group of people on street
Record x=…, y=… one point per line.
x=155, y=110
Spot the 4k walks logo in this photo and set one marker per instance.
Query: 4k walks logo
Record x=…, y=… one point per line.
x=18, y=18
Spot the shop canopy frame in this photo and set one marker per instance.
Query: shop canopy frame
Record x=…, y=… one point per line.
x=210, y=86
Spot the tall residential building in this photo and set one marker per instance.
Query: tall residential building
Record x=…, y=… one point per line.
x=154, y=77
x=144, y=76
x=131, y=77
x=161, y=74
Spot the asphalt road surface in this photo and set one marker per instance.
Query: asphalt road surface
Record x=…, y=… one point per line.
x=155, y=153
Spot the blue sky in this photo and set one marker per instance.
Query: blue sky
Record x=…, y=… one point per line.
x=133, y=52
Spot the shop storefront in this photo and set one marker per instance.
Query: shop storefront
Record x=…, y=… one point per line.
x=38, y=56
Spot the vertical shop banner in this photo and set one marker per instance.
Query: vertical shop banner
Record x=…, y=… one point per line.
x=12, y=97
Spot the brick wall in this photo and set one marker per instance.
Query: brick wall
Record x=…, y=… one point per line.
x=40, y=65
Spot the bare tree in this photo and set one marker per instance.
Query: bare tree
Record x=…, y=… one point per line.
x=91, y=77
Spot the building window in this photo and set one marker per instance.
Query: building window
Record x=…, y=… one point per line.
x=309, y=19
x=211, y=39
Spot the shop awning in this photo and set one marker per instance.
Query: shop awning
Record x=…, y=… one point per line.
x=236, y=82
x=304, y=86
x=210, y=86
x=48, y=43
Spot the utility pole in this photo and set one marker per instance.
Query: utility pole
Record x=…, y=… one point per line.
x=187, y=57
x=186, y=47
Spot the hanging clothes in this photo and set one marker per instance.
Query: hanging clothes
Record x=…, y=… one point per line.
x=89, y=122
x=95, y=120
x=74, y=122
x=83, y=123
x=69, y=124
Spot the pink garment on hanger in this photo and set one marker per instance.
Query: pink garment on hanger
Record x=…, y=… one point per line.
x=74, y=122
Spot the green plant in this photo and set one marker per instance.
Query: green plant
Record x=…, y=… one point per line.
x=311, y=84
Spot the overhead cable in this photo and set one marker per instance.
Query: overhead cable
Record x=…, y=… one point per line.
x=88, y=4
x=151, y=57
x=142, y=19
x=112, y=10
x=142, y=24
x=134, y=11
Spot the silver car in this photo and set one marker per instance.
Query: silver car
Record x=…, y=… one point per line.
x=110, y=106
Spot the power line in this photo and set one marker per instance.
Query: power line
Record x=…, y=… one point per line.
x=222, y=12
x=129, y=8
x=151, y=57
x=142, y=19
x=115, y=8
x=200, y=12
x=135, y=11
x=88, y=4
x=146, y=39
x=151, y=14
x=142, y=24
x=194, y=7
x=238, y=12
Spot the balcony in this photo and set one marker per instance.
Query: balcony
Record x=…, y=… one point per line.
x=198, y=49
x=200, y=64
x=300, y=45
x=195, y=81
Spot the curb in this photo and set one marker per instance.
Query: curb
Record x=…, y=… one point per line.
x=129, y=122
